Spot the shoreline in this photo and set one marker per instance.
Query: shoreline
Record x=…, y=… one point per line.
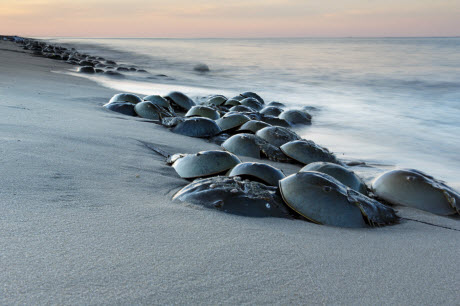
x=64, y=53
x=88, y=218
x=343, y=120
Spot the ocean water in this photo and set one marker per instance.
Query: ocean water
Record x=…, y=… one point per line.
x=390, y=102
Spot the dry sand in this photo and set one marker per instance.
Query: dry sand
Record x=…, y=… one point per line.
x=87, y=218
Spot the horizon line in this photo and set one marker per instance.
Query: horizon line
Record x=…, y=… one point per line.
x=232, y=37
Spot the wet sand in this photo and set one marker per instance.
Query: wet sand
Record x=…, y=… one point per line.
x=87, y=218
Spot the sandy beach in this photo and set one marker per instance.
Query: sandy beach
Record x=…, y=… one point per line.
x=87, y=218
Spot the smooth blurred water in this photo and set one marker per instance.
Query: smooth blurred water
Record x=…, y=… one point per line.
x=391, y=101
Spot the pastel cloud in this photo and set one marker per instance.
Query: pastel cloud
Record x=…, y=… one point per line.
x=248, y=18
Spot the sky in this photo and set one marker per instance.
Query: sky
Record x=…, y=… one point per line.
x=238, y=18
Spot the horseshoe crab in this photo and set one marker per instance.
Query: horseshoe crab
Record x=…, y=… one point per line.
x=86, y=63
x=277, y=135
x=86, y=69
x=252, y=115
x=203, y=111
x=324, y=200
x=241, y=144
x=306, y=151
x=179, y=100
x=204, y=163
x=277, y=104
x=263, y=173
x=124, y=108
x=416, y=189
x=271, y=111
x=147, y=109
x=216, y=100
x=252, y=103
x=201, y=68
x=241, y=109
x=114, y=74
x=238, y=98
x=235, y=196
x=253, y=126
x=197, y=127
x=275, y=121
x=232, y=121
x=125, y=97
x=249, y=94
x=232, y=102
x=340, y=173
x=159, y=100
x=296, y=117
x=253, y=146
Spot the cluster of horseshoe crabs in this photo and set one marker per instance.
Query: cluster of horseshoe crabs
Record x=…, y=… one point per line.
x=86, y=63
x=324, y=191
